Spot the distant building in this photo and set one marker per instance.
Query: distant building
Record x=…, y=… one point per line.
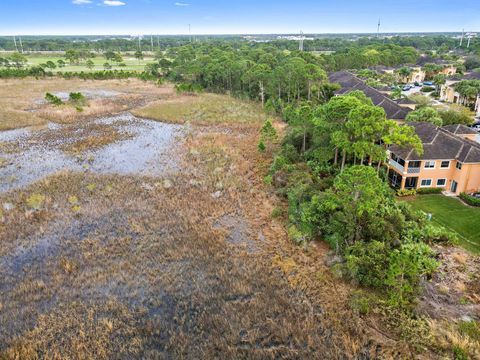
x=451, y=160
x=448, y=67
x=349, y=82
x=450, y=95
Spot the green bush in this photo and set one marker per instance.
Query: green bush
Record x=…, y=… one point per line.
x=77, y=98
x=428, y=191
x=367, y=262
x=469, y=199
x=407, y=265
x=437, y=234
x=427, y=89
x=52, y=99
x=406, y=192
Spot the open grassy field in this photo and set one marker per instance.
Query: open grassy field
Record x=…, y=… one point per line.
x=454, y=215
x=203, y=109
x=132, y=64
x=22, y=101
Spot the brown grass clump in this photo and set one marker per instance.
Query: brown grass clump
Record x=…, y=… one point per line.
x=107, y=136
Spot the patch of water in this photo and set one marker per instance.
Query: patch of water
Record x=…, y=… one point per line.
x=148, y=150
x=89, y=94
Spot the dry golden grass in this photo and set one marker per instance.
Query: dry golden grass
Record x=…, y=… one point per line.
x=19, y=99
x=447, y=337
x=203, y=109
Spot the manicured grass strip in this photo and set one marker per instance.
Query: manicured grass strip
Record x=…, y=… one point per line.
x=454, y=215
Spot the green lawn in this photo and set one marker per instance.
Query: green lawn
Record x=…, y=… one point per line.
x=454, y=215
x=132, y=63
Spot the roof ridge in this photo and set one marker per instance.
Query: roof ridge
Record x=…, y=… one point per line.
x=368, y=86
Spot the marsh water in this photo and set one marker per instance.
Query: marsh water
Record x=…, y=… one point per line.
x=32, y=154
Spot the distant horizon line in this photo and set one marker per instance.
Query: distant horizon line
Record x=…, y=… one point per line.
x=248, y=34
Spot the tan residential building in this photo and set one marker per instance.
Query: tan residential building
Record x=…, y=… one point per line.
x=416, y=75
x=450, y=95
x=451, y=160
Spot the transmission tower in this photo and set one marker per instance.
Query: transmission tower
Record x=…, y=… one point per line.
x=301, y=42
x=470, y=36
x=378, y=28
x=15, y=42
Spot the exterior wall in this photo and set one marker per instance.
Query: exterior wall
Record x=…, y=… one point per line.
x=448, y=93
x=472, y=137
x=468, y=178
x=477, y=106
x=418, y=75
x=436, y=174
x=449, y=70
x=409, y=106
x=473, y=183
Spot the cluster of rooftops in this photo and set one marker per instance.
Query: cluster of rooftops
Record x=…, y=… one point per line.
x=349, y=82
x=451, y=142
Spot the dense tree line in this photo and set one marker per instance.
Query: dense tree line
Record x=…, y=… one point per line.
x=330, y=170
x=336, y=42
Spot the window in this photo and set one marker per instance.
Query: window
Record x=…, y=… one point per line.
x=426, y=183
x=441, y=182
x=445, y=164
x=459, y=166
x=429, y=164
x=414, y=164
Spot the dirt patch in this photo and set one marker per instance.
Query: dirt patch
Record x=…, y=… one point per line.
x=453, y=293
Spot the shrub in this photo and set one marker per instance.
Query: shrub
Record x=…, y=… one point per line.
x=427, y=191
x=470, y=329
x=406, y=192
x=437, y=234
x=407, y=265
x=52, y=99
x=427, y=89
x=469, y=199
x=367, y=262
x=296, y=235
x=77, y=97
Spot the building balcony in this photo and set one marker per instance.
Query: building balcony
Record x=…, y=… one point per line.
x=396, y=166
x=413, y=170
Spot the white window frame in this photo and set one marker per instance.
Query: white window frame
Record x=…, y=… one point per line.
x=426, y=186
x=445, y=168
x=428, y=162
x=444, y=185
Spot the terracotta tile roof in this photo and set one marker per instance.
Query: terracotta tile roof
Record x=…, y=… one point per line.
x=349, y=82
x=440, y=144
